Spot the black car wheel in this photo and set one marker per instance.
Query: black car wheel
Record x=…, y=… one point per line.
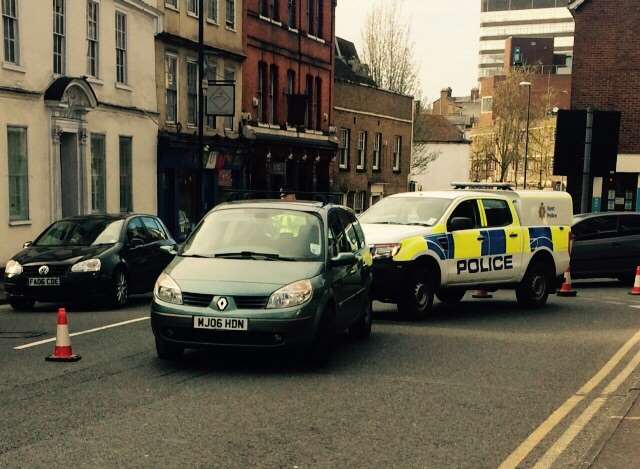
x=167, y=350
x=321, y=349
x=451, y=296
x=418, y=298
x=533, y=291
x=119, y=289
x=21, y=304
x=361, y=329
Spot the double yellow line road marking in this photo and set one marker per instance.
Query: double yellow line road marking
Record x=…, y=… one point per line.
x=557, y=448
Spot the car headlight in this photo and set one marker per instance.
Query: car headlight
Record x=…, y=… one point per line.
x=384, y=251
x=90, y=265
x=167, y=290
x=12, y=269
x=291, y=295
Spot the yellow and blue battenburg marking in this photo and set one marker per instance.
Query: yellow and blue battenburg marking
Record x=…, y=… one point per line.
x=540, y=237
x=495, y=242
x=442, y=245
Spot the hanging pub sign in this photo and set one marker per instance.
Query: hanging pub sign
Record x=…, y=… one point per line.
x=221, y=98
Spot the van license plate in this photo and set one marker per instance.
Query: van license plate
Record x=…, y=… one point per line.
x=44, y=282
x=220, y=324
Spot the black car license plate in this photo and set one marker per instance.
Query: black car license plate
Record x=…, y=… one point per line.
x=44, y=282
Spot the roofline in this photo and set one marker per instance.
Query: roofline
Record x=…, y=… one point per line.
x=575, y=4
x=453, y=142
x=349, y=82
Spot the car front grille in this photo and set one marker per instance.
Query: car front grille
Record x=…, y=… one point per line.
x=242, y=302
x=224, y=337
x=54, y=270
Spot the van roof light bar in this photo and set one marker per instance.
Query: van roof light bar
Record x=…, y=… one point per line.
x=501, y=186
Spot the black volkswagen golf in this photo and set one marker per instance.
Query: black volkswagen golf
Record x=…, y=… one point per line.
x=84, y=258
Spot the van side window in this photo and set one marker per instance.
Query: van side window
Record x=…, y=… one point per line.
x=349, y=222
x=338, y=239
x=497, y=212
x=466, y=209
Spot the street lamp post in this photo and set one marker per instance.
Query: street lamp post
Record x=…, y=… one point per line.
x=526, y=145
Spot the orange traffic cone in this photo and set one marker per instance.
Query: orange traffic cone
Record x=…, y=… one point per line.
x=566, y=289
x=62, y=351
x=482, y=295
x=636, y=285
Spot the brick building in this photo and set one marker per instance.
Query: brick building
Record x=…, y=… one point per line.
x=607, y=78
x=462, y=111
x=375, y=128
x=288, y=92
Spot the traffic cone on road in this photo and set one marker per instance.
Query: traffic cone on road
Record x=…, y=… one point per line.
x=482, y=295
x=62, y=351
x=636, y=284
x=566, y=289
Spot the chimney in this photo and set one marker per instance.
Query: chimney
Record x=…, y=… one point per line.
x=445, y=94
x=475, y=94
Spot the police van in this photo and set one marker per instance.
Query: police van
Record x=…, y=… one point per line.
x=475, y=236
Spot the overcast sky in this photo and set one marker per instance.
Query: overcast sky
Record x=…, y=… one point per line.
x=446, y=35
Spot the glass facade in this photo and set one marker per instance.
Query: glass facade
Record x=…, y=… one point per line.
x=503, y=5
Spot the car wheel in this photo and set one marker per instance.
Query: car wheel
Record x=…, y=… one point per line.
x=119, y=289
x=167, y=350
x=417, y=301
x=451, y=296
x=533, y=291
x=21, y=304
x=321, y=350
x=361, y=329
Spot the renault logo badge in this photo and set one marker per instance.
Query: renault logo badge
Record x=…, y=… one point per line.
x=222, y=303
x=44, y=270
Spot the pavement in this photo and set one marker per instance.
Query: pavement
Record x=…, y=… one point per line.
x=480, y=384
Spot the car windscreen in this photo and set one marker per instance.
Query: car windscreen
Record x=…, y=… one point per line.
x=406, y=211
x=87, y=232
x=257, y=233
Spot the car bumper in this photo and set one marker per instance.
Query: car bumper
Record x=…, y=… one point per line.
x=265, y=330
x=73, y=287
x=389, y=278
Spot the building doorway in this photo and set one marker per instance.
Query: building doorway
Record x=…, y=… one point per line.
x=69, y=175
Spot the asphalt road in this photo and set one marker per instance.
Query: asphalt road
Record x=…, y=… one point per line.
x=463, y=389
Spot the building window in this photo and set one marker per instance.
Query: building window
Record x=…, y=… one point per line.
x=126, y=175
x=360, y=206
x=309, y=117
x=10, y=26
x=397, y=153
x=291, y=86
x=362, y=150
x=231, y=14
x=18, y=174
x=171, y=79
x=93, y=48
x=319, y=18
x=377, y=148
x=58, y=37
x=229, y=75
x=487, y=104
x=345, y=144
x=318, y=104
x=273, y=88
x=261, y=94
x=121, y=47
x=98, y=174
x=212, y=10
x=311, y=17
x=293, y=14
x=171, y=3
x=192, y=92
x=193, y=7
x=212, y=74
x=269, y=9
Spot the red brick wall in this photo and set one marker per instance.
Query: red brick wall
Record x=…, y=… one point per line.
x=275, y=44
x=351, y=97
x=606, y=67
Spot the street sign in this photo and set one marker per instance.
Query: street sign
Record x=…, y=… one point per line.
x=221, y=98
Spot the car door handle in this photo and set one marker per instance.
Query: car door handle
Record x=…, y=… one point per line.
x=513, y=235
x=481, y=238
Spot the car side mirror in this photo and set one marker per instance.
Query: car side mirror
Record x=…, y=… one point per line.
x=460, y=223
x=136, y=243
x=171, y=249
x=27, y=244
x=344, y=259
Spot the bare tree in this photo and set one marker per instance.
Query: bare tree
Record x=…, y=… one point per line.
x=388, y=48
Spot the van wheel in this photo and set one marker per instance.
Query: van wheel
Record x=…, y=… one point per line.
x=361, y=329
x=417, y=301
x=451, y=296
x=533, y=291
x=168, y=351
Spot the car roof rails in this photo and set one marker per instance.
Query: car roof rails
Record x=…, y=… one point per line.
x=500, y=186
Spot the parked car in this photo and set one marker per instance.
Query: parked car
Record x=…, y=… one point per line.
x=86, y=257
x=266, y=275
x=606, y=245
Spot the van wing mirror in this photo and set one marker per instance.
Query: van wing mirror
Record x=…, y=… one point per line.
x=461, y=223
x=344, y=259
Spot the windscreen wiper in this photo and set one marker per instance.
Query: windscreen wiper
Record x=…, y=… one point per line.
x=253, y=255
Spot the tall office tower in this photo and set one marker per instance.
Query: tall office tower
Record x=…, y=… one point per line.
x=501, y=19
